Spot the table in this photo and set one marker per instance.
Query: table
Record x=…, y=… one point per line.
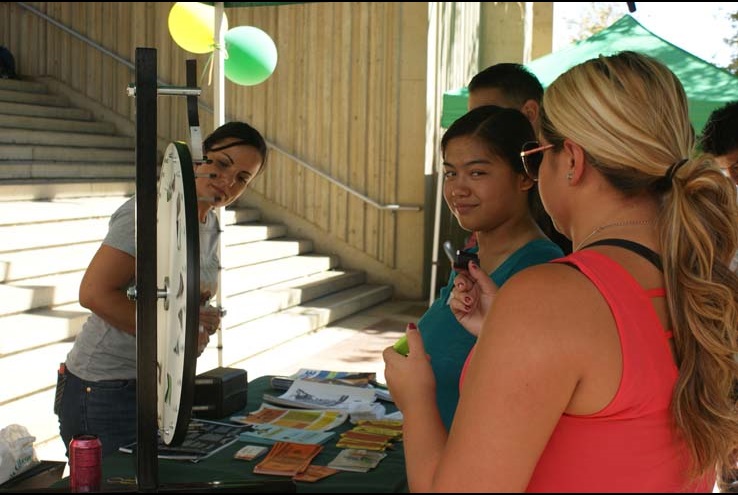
x=389, y=476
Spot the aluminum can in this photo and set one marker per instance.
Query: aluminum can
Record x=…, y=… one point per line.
x=85, y=463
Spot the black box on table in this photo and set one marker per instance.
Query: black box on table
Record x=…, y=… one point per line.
x=220, y=392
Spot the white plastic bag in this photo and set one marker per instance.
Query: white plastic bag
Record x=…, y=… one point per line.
x=16, y=451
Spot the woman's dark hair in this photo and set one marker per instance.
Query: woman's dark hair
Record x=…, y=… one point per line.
x=244, y=133
x=504, y=131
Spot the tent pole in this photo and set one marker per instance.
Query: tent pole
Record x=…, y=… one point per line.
x=219, y=120
x=527, y=31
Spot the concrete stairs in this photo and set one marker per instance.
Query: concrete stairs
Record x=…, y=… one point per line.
x=55, y=202
x=43, y=138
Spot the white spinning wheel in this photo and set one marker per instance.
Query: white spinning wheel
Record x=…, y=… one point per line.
x=178, y=283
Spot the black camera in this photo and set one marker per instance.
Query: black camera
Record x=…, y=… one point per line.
x=459, y=258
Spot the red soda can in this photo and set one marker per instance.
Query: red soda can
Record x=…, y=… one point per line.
x=85, y=463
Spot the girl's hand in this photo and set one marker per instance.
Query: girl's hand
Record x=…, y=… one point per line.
x=409, y=378
x=471, y=298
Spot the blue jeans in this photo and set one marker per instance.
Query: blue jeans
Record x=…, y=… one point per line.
x=106, y=408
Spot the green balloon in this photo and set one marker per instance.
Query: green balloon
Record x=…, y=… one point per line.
x=252, y=55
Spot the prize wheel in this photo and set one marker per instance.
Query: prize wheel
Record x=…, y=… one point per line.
x=178, y=283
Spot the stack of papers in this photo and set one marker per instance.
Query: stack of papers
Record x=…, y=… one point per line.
x=358, y=460
x=364, y=379
x=271, y=434
x=287, y=459
x=308, y=394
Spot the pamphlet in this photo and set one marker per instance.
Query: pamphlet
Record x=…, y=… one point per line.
x=355, y=378
x=308, y=394
x=305, y=419
x=365, y=379
x=270, y=434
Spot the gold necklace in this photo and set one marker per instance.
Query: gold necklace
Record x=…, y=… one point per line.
x=616, y=224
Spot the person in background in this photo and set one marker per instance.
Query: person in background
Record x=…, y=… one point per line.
x=489, y=193
x=610, y=369
x=97, y=393
x=512, y=85
x=720, y=139
x=507, y=85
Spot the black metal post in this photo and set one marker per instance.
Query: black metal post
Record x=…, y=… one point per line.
x=147, y=463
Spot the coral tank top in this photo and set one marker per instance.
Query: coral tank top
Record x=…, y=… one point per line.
x=630, y=445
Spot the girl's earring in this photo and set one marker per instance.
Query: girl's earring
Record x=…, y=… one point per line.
x=569, y=175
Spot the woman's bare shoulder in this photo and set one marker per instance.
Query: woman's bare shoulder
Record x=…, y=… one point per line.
x=547, y=297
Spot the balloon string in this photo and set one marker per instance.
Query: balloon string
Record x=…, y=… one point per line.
x=205, y=70
x=210, y=64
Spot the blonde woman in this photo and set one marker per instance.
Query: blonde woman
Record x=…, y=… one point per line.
x=611, y=369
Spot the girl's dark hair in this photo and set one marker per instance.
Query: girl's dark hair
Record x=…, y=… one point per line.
x=245, y=135
x=504, y=131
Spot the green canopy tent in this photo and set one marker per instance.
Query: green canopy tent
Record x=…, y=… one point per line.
x=708, y=87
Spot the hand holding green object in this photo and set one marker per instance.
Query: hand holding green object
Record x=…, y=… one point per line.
x=401, y=346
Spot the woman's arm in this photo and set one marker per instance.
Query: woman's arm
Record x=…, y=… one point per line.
x=103, y=288
x=524, y=372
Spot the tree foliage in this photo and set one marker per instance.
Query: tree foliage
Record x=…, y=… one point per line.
x=596, y=17
x=733, y=42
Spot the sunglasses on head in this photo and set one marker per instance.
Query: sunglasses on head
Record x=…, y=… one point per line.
x=532, y=156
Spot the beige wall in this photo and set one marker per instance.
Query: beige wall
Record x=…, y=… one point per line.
x=356, y=94
x=502, y=31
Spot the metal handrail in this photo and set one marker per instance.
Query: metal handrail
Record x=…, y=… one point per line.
x=130, y=65
x=393, y=207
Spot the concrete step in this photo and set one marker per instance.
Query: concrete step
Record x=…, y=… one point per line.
x=29, y=225
x=15, y=152
x=46, y=327
x=48, y=171
x=31, y=381
x=23, y=85
x=238, y=215
x=31, y=98
x=18, y=299
x=32, y=263
x=252, y=277
x=54, y=233
x=59, y=209
x=55, y=124
x=260, y=251
x=34, y=137
x=31, y=110
x=261, y=335
x=259, y=303
x=250, y=232
x=43, y=189
x=41, y=292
